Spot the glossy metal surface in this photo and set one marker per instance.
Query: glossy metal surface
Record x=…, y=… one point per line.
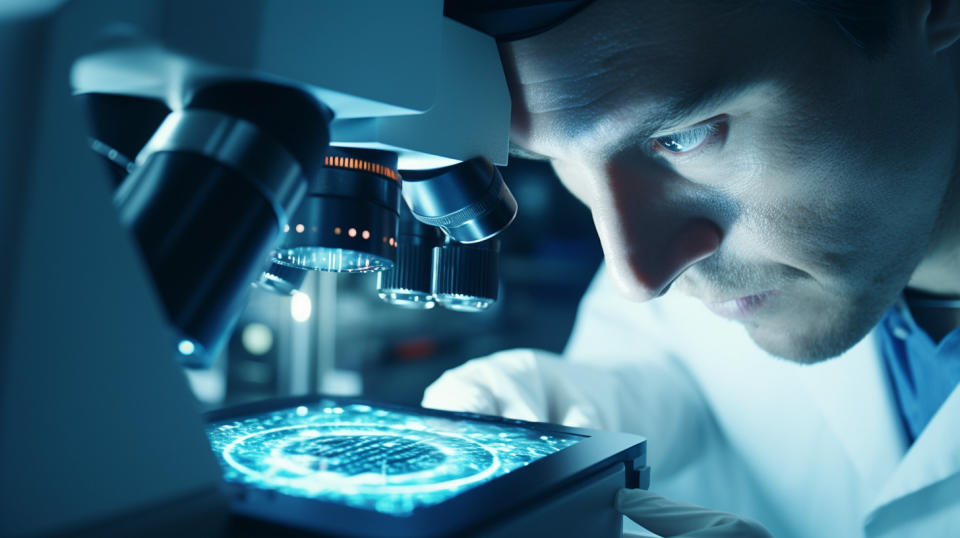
x=466, y=278
x=348, y=220
x=410, y=282
x=238, y=144
x=469, y=201
x=211, y=193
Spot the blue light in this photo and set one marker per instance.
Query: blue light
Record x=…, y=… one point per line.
x=186, y=347
x=375, y=459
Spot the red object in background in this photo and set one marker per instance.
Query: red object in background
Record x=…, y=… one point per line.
x=415, y=350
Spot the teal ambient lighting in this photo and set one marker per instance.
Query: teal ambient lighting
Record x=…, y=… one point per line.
x=375, y=459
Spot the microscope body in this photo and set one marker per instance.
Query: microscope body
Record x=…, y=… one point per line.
x=99, y=432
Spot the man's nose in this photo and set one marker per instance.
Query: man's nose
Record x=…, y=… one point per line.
x=652, y=229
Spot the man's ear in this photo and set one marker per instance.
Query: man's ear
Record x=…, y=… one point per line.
x=940, y=23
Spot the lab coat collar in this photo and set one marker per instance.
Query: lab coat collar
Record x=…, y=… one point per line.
x=934, y=456
x=858, y=404
x=856, y=401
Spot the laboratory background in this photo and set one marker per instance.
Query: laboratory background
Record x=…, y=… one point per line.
x=304, y=268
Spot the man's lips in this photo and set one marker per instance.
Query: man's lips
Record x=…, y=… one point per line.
x=741, y=307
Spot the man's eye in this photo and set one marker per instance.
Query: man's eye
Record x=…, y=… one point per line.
x=689, y=139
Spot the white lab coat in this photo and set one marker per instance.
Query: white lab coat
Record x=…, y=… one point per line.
x=808, y=451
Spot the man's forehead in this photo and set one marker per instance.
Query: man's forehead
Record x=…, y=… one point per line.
x=624, y=62
x=608, y=66
x=607, y=30
x=616, y=121
x=600, y=32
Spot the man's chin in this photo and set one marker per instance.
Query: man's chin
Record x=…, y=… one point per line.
x=803, y=347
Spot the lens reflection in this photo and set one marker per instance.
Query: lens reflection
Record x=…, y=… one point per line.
x=464, y=303
x=348, y=221
x=339, y=260
x=407, y=298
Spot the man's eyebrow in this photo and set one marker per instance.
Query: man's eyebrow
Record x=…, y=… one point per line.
x=673, y=112
x=680, y=110
x=666, y=113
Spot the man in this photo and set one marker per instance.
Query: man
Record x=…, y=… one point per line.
x=787, y=170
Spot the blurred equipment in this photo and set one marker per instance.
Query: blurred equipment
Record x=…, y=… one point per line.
x=119, y=142
x=282, y=279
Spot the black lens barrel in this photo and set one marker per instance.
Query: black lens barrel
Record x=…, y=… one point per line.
x=467, y=277
x=348, y=220
x=212, y=191
x=411, y=278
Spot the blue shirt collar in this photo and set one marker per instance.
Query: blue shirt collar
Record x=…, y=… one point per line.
x=922, y=372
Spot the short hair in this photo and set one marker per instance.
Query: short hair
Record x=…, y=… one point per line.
x=870, y=24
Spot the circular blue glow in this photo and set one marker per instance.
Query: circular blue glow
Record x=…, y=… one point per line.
x=338, y=260
x=186, y=347
x=361, y=458
x=373, y=458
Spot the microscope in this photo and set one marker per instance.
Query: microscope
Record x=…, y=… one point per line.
x=157, y=157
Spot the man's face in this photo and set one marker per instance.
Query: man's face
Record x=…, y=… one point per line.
x=748, y=156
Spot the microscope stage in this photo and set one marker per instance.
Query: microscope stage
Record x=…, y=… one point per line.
x=373, y=458
x=345, y=466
